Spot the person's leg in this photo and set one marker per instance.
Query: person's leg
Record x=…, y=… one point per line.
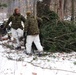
x=29, y=41
x=15, y=35
x=20, y=32
x=38, y=44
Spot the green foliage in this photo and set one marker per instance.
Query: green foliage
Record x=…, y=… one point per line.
x=43, y=10
x=60, y=36
x=56, y=35
x=75, y=63
x=3, y=5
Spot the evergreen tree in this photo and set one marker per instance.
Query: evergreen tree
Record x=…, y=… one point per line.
x=56, y=35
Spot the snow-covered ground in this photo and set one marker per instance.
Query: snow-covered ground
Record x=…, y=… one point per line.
x=14, y=62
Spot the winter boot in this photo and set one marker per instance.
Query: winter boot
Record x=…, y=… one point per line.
x=40, y=54
x=30, y=54
x=18, y=48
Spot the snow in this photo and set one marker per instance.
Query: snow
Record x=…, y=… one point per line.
x=14, y=62
x=67, y=18
x=2, y=16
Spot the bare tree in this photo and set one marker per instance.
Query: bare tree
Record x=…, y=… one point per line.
x=35, y=8
x=60, y=9
x=65, y=7
x=72, y=11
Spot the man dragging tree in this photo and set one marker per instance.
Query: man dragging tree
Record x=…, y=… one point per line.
x=16, y=25
x=32, y=31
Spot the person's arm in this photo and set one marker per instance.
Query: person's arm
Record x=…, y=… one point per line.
x=25, y=32
x=45, y=17
x=25, y=26
x=23, y=19
x=39, y=20
x=7, y=23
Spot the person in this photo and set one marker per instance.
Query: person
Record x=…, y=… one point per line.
x=32, y=32
x=16, y=25
x=3, y=31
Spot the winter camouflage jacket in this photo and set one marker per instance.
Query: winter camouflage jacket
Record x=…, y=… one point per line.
x=31, y=26
x=16, y=21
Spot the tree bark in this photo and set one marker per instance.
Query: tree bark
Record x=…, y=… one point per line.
x=35, y=8
x=60, y=9
x=72, y=11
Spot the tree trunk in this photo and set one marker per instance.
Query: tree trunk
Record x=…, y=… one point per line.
x=72, y=11
x=35, y=8
x=65, y=7
x=60, y=9
x=56, y=5
x=47, y=2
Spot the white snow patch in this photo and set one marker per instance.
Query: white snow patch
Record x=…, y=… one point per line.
x=18, y=63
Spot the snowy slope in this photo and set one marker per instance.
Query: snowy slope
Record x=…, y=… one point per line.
x=14, y=62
